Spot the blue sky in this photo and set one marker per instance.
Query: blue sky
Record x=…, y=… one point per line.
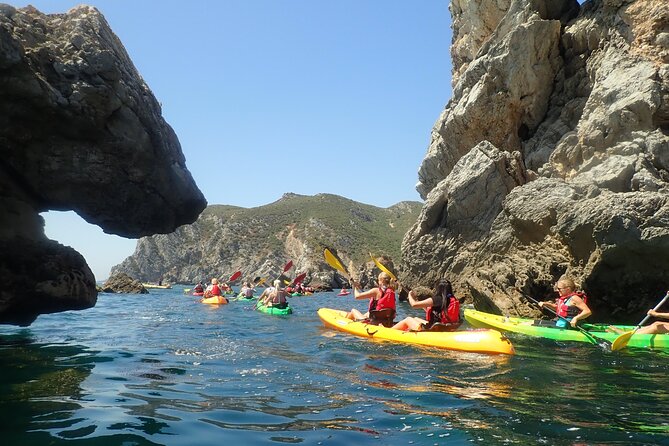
x=275, y=96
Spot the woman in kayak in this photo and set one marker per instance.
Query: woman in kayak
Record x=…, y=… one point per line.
x=571, y=306
x=441, y=307
x=274, y=296
x=381, y=310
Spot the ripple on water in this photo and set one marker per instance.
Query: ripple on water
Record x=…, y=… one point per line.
x=177, y=371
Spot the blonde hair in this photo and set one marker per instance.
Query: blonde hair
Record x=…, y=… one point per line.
x=384, y=278
x=567, y=282
x=277, y=282
x=214, y=281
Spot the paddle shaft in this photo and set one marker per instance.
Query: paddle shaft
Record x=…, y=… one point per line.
x=657, y=307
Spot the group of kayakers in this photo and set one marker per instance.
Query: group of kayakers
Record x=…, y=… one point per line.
x=299, y=288
x=442, y=307
x=273, y=295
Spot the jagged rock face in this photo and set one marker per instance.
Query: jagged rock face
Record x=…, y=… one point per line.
x=79, y=130
x=575, y=110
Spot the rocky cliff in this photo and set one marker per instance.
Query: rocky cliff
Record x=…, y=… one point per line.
x=552, y=156
x=79, y=130
x=259, y=241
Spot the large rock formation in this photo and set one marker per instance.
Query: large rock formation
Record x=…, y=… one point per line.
x=79, y=130
x=552, y=157
x=260, y=241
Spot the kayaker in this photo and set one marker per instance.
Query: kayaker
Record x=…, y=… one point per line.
x=571, y=306
x=247, y=291
x=657, y=326
x=381, y=310
x=199, y=288
x=441, y=307
x=214, y=290
x=274, y=296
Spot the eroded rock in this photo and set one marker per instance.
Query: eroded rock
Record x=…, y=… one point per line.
x=79, y=130
x=585, y=114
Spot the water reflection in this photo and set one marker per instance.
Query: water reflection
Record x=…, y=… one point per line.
x=174, y=373
x=41, y=384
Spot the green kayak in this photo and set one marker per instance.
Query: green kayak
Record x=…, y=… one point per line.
x=275, y=310
x=598, y=331
x=241, y=296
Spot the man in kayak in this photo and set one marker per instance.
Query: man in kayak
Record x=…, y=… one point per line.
x=441, y=308
x=381, y=310
x=571, y=306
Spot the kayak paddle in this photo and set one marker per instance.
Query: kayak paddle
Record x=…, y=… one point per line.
x=332, y=260
x=597, y=341
x=622, y=340
x=380, y=266
x=288, y=266
x=298, y=279
x=235, y=276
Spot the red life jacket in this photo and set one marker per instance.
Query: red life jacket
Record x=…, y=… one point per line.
x=387, y=300
x=447, y=313
x=215, y=290
x=569, y=311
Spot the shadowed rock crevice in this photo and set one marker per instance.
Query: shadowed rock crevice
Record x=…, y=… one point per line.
x=79, y=130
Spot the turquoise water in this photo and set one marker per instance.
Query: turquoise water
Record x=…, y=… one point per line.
x=164, y=369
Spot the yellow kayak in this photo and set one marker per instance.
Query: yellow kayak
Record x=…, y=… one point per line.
x=479, y=341
x=215, y=300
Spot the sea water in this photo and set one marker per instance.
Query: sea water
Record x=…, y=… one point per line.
x=164, y=369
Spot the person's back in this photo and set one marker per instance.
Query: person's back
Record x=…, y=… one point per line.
x=277, y=297
x=213, y=289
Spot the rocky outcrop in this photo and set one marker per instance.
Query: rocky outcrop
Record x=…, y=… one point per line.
x=79, y=130
x=551, y=157
x=260, y=241
x=123, y=283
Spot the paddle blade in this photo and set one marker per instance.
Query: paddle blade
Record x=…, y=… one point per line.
x=299, y=278
x=261, y=280
x=288, y=266
x=380, y=266
x=235, y=276
x=334, y=262
x=622, y=340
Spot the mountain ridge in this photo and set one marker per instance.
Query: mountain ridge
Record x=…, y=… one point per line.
x=259, y=240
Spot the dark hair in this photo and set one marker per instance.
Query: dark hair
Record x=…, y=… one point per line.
x=444, y=289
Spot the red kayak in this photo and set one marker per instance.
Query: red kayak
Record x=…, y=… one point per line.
x=201, y=293
x=344, y=293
